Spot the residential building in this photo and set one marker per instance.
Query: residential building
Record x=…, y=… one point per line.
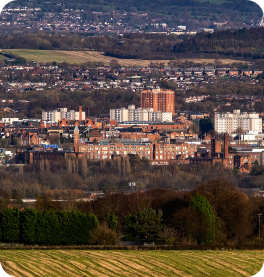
x=63, y=113
x=158, y=100
x=230, y=122
x=133, y=114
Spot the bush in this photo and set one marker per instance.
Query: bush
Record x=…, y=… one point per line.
x=103, y=235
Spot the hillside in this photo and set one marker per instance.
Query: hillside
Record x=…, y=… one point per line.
x=171, y=11
x=243, y=43
x=131, y=263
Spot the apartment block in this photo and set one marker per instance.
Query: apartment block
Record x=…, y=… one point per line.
x=133, y=114
x=63, y=113
x=158, y=100
x=230, y=122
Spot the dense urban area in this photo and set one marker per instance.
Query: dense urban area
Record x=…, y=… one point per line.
x=170, y=153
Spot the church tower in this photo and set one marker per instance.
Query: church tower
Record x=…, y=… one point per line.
x=76, y=134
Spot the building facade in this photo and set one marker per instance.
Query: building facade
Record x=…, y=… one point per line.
x=151, y=151
x=133, y=114
x=230, y=122
x=63, y=113
x=158, y=100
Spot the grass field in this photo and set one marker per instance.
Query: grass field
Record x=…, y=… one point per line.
x=131, y=263
x=78, y=57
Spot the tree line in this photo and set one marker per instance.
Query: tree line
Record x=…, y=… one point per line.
x=215, y=212
x=245, y=43
x=30, y=226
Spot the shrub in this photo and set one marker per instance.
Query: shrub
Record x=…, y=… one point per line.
x=103, y=235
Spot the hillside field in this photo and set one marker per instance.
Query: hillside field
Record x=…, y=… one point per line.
x=98, y=263
x=78, y=57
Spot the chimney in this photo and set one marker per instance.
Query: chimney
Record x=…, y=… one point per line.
x=226, y=146
x=212, y=147
x=80, y=113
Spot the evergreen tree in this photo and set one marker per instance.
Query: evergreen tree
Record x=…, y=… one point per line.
x=145, y=224
x=48, y=228
x=28, y=221
x=11, y=225
x=64, y=231
x=207, y=226
x=112, y=221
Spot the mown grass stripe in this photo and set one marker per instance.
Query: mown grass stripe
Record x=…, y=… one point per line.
x=148, y=255
x=36, y=266
x=50, y=268
x=121, y=259
x=20, y=268
x=187, y=259
x=152, y=266
x=93, y=271
x=106, y=261
x=132, y=264
x=60, y=266
x=96, y=265
x=226, y=265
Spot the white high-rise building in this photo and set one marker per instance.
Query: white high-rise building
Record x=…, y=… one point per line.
x=133, y=114
x=230, y=122
x=63, y=113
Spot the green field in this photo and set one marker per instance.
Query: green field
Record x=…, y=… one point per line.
x=131, y=263
x=78, y=57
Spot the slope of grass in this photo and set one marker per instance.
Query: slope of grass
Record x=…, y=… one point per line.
x=78, y=57
x=131, y=263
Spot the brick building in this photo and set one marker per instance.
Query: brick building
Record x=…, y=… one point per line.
x=151, y=151
x=159, y=100
x=148, y=126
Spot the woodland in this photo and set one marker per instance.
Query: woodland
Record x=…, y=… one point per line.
x=246, y=43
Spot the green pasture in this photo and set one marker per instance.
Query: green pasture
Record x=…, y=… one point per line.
x=131, y=263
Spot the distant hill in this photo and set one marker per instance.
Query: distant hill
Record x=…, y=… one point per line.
x=179, y=10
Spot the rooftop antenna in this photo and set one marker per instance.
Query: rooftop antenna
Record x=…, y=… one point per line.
x=260, y=3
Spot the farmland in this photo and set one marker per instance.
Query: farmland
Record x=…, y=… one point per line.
x=130, y=263
x=78, y=57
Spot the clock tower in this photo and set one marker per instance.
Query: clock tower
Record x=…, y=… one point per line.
x=76, y=134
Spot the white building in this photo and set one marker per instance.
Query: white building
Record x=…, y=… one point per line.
x=9, y=120
x=230, y=122
x=133, y=114
x=62, y=113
